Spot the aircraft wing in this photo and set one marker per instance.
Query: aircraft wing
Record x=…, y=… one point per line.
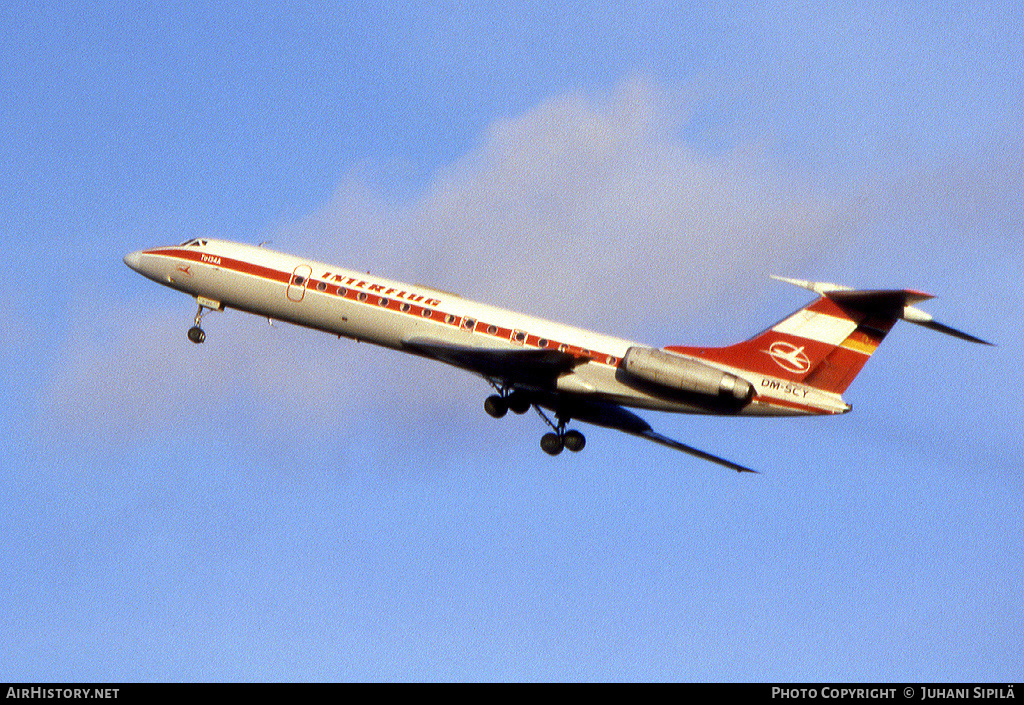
x=613, y=416
x=665, y=441
x=539, y=368
x=531, y=366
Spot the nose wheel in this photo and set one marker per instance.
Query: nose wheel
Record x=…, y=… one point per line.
x=196, y=333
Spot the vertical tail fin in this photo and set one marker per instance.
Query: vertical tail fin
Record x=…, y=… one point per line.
x=826, y=343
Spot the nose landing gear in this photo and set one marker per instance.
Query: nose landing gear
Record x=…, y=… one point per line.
x=196, y=333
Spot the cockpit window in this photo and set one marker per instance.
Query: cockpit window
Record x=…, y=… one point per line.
x=194, y=242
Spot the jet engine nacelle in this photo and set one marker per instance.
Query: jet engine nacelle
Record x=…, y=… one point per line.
x=680, y=373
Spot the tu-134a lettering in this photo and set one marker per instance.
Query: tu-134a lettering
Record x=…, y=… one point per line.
x=800, y=366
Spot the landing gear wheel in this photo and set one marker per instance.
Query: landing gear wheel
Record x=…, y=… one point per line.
x=574, y=441
x=195, y=333
x=519, y=403
x=551, y=443
x=496, y=406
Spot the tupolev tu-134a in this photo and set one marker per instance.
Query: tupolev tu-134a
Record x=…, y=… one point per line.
x=799, y=366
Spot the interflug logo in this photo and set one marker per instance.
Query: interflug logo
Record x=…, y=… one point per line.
x=789, y=357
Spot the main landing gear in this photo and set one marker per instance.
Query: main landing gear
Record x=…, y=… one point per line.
x=497, y=405
x=553, y=442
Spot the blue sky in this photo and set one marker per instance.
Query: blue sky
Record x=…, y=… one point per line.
x=280, y=505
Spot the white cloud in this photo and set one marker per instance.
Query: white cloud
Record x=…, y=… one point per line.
x=588, y=204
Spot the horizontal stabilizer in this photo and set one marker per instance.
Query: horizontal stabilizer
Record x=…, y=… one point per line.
x=922, y=318
x=942, y=328
x=896, y=302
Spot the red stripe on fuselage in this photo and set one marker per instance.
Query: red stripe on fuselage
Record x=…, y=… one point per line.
x=234, y=265
x=360, y=293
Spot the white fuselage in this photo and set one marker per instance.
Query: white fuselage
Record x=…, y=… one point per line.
x=393, y=314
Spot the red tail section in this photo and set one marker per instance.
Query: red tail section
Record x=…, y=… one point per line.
x=826, y=343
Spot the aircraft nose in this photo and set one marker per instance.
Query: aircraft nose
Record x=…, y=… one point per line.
x=134, y=260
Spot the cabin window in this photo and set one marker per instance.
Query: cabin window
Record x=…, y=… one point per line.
x=383, y=302
x=520, y=336
x=469, y=323
x=492, y=329
x=342, y=291
x=405, y=308
x=321, y=286
x=542, y=343
x=449, y=318
x=425, y=313
x=362, y=296
x=297, y=280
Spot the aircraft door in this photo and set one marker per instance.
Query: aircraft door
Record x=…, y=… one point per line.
x=297, y=284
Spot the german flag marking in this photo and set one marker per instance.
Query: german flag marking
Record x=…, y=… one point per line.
x=862, y=341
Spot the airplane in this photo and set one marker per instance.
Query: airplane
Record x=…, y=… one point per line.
x=799, y=366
